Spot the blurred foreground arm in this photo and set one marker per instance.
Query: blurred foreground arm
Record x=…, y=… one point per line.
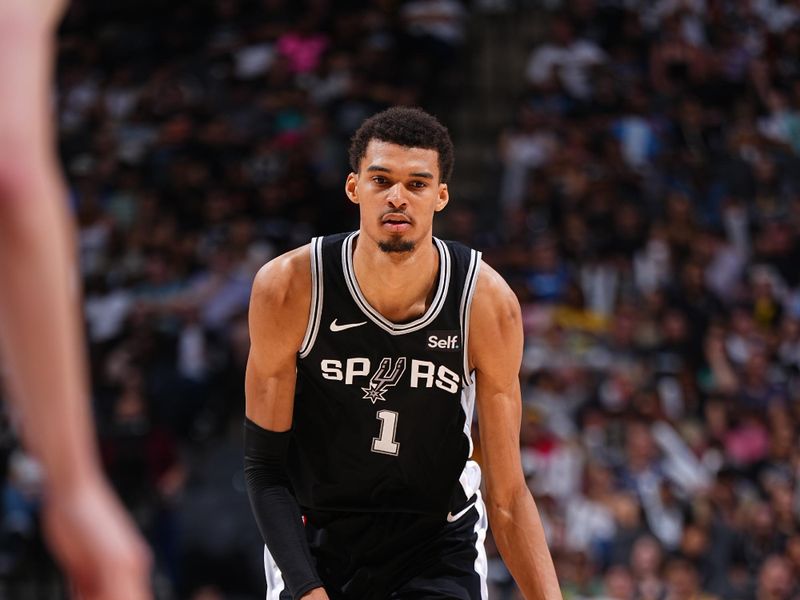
x=40, y=330
x=495, y=347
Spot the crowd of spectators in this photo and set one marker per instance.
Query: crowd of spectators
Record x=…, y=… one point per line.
x=650, y=194
x=648, y=219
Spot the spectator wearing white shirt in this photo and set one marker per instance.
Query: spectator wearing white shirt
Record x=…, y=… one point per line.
x=566, y=57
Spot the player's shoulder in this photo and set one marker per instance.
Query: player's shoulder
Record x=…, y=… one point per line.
x=285, y=277
x=495, y=323
x=493, y=296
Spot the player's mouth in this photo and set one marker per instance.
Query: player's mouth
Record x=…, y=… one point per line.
x=396, y=222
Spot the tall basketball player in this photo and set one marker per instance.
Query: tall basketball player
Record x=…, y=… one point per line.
x=369, y=352
x=40, y=331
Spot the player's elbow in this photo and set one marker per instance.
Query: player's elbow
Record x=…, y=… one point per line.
x=501, y=516
x=502, y=503
x=18, y=177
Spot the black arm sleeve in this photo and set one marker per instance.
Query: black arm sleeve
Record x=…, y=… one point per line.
x=275, y=507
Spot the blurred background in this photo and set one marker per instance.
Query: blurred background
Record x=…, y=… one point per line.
x=630, y=166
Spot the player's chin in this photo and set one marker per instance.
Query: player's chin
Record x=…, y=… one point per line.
x=396, y=244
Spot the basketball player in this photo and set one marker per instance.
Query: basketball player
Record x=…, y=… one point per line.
x=40, y=332
x=369, y=352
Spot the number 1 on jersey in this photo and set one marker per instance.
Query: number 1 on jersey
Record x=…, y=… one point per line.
x=384, y=443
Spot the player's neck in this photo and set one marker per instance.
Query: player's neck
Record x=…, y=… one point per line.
x=399, y=285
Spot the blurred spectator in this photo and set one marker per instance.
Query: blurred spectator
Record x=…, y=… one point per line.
x=434, y=31
x=143, y=463
x=303, y=46
x=565, y=61
x=523, y=148
x=683, y=581
x=618, y=584
x=775, y=580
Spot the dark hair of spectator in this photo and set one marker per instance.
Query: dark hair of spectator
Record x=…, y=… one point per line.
x=409, y=127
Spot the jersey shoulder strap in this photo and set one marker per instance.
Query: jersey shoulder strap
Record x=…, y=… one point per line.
x=323, y=251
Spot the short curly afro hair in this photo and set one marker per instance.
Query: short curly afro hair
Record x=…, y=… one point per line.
x=409, y=127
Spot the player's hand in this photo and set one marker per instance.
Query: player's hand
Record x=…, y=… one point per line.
x=97, y=544
x=316, y=594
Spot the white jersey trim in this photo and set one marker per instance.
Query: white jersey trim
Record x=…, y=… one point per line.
x=468, y=406
x=470, y=478
x=275, y=584
x=481, y=562
x=315, y=310
x=466, y=308
x=393, y=328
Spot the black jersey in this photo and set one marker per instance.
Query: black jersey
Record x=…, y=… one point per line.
x=383, y=411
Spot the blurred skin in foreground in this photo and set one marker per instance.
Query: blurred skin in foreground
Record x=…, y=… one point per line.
x=40, y=333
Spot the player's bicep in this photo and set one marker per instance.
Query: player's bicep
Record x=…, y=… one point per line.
x=277, y=320
x=496, y=353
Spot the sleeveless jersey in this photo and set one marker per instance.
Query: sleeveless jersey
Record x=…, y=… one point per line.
x=383, y=411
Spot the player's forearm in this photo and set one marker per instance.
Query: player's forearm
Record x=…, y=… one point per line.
x=276, y=510
x=518, y=532
x=40, y=332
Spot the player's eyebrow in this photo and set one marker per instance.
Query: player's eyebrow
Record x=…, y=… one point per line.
x=379, y=168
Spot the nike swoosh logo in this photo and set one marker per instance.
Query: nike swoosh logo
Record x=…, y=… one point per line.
x=455, y=517
x=336, y=327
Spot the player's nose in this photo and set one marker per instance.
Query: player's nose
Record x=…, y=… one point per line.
x=395, y=196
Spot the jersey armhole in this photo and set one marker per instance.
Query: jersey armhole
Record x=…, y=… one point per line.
x=315, y=310
x=466, y=308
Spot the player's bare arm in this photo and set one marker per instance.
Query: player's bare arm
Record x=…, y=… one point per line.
x=40, y=301
x=279, y=307
x=279, y=312
x=495, y=346
x=40, y=331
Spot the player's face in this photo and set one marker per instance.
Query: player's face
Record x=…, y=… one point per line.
x=398, y=191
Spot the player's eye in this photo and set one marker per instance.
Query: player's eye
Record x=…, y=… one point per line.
x=380, y=180
x=418, y=184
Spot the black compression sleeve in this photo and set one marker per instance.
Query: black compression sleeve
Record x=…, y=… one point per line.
x=275, y=507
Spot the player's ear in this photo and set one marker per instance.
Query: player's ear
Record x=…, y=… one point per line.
x=444, y=197
x=351, y=187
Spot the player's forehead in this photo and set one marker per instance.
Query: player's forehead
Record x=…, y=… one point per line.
x=399, y=160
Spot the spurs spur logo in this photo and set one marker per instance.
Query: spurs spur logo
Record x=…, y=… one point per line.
x=385, y=377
